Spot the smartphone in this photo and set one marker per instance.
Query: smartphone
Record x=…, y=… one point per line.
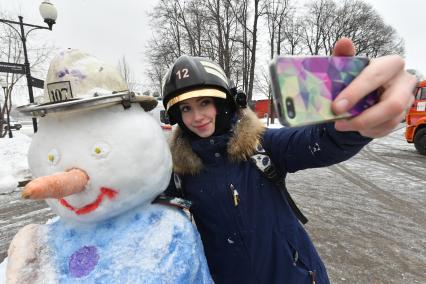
x=305, y=87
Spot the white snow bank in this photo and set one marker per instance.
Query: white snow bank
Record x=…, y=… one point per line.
x=3, y=271
x=276, y=123
x=13, y=156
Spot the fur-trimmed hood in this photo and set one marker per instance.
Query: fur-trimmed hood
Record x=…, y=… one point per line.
x=241, y=146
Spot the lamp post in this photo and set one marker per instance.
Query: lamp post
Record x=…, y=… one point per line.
x=49, y=14
x=6, y=96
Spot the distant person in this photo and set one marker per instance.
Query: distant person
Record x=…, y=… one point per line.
x=250, y=233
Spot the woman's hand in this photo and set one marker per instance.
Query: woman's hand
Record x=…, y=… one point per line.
x=396, y=85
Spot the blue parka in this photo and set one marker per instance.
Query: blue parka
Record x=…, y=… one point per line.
x=256, y=238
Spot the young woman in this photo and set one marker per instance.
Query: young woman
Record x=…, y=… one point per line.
x=249, y=232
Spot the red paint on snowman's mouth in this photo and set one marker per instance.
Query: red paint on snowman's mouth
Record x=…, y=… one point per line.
x=105, y=193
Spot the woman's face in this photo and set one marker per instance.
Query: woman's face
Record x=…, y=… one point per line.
x=199, y=115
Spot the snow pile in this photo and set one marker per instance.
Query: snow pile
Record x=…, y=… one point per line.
x=14, y=166
x=276, y=123
x=3, y=271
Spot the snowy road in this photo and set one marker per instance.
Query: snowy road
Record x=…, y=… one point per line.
x=367, y=216
x=16, y=213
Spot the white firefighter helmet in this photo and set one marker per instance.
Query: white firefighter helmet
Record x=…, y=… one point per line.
x=76, y=80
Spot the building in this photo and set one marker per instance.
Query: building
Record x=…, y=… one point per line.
x=261, y=108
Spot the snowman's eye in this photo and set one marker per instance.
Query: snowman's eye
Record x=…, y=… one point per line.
x=53, y=157
x=100, y=150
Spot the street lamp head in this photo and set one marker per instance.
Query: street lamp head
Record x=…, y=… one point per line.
x=48, y=12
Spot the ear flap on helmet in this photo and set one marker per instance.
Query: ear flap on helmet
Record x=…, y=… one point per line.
x=239, y=97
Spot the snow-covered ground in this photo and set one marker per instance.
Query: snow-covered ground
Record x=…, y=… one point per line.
x=367, y=215
x=13, y=166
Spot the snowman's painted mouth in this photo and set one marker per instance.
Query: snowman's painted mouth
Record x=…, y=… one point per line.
x=105, y=193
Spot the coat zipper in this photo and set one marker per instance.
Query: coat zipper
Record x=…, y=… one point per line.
x=235, y=195
x=236, y=200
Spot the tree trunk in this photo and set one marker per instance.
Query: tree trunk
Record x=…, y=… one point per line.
x=253, y=50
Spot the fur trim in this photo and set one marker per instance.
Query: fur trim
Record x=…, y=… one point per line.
x=185, y=161
x=242, y=145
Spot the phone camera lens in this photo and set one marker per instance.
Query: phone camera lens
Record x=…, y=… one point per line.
x=290, y=107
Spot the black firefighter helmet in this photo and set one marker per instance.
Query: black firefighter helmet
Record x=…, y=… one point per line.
x=196, y=77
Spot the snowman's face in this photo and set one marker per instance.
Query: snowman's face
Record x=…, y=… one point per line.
x=124, y=153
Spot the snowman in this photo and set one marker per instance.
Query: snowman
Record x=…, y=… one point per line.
x=100, y=160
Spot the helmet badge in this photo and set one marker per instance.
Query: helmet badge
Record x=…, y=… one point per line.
x=182, y=73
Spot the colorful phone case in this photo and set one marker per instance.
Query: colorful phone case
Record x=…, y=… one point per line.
x=304, y=87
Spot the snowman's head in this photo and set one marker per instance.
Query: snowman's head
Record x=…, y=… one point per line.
x=123, y=152
x=121, y=149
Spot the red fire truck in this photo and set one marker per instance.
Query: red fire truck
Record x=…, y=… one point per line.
x=415, y=131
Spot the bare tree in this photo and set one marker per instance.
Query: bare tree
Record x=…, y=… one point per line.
x=292, y=33
x=248, y=39
x=256, y=14
x=226, y=31
x=11, y=51
x=317, y=17
x=198, y=27
x=329, y=20
x=242, y=13
x=156, y=70
x=167, y=43
x=224, y=27
x=126, y=73
x=276, y=13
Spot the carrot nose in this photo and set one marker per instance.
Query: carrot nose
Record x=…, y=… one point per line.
x=57, y=185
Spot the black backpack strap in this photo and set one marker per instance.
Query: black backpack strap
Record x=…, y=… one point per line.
x=263, y=162
x=175, y=198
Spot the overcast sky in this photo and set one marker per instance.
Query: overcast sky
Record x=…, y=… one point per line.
x=112, y=29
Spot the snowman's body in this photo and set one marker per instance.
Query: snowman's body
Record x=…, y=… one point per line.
x=110, y=232
x=152, y=244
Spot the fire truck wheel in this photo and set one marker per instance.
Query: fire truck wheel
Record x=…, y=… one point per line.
x=420, y=141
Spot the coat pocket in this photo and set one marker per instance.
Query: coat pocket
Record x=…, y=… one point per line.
x=297, y=258
x=305, y=262
x=300, y=262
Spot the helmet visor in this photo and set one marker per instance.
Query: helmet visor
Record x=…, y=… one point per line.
x=196, y=94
